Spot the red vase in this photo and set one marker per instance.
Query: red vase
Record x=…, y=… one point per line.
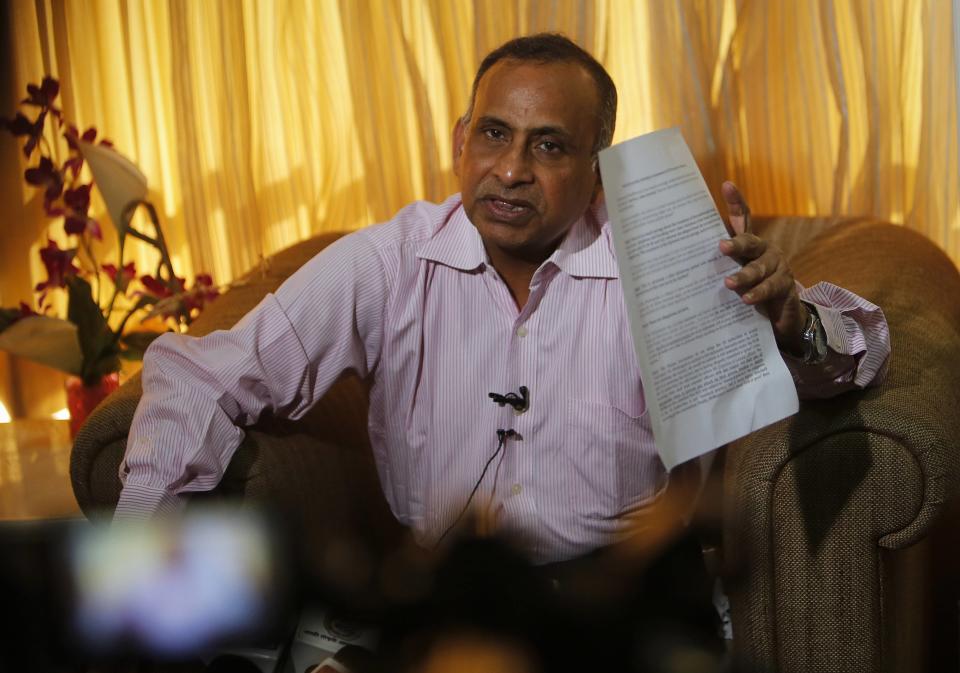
x=81, y=399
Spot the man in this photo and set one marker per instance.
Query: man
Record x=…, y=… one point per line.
x=512, y=283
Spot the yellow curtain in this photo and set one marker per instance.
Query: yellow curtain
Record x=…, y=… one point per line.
x=262, y=122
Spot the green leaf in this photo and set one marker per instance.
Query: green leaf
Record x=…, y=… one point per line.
x=98, y=344
x=135, y=343
x=50, y=341
x=8, y=316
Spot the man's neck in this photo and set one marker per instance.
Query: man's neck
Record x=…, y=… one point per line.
x=517, y=274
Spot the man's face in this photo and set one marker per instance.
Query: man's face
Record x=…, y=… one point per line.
x=525, y=159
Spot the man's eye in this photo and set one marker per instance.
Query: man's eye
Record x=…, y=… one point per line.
x=493, y=134
x=550, y=147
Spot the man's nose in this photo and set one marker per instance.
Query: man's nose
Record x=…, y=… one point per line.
x=513, y=166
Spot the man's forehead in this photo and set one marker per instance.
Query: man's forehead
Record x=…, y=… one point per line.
x=556, y=89
x=544, y=74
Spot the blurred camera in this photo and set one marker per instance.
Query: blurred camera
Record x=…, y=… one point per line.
x=165, y=590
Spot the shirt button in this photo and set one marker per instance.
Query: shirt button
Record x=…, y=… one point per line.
x=521, y=331
x=516, y=489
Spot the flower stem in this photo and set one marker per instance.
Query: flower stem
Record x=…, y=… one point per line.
x=87, y=248
x=159, y=242
x=123, y=323
x=117, y=279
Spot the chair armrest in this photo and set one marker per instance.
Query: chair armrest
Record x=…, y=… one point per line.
x=811, y=501
x=324, y=491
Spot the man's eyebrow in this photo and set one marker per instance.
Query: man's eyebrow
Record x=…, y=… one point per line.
x=536, y=131
x=487, y=119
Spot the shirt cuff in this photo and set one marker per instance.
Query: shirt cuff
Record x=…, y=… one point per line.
x=140, y=502
x=833, y=327
x=855, y=327
x=858, y=339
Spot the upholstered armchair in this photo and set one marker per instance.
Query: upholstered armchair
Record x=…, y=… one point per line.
x=830, y=541
x=830, y=517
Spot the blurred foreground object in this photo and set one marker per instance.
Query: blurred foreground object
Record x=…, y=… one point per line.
x=171, y=588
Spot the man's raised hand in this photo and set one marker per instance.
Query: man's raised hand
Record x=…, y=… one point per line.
x=765, y=279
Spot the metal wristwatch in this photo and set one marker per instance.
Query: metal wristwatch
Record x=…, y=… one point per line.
x=814, y=338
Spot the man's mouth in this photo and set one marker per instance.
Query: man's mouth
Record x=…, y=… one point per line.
x=508, y=209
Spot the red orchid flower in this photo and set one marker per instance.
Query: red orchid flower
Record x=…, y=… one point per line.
x=73, y=137
x=46, y=175
x=202, y=292
x=43, y=95
x=75, y=225
x=59, y=265
x=120, y=277
x=159, y=289
x=32, y=129
x=78, y=198
x=78, y=225
x=20, y=125
x=77, y=221
x=26, y=311
x=168, y=303
x=73, y=164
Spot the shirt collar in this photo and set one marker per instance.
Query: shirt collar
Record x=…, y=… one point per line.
x=586, y=251
x=456, y=243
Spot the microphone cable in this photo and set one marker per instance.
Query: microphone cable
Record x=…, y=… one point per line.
x=502, y=436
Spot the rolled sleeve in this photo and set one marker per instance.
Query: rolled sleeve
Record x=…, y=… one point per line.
x=858, y=339
x=198, y=393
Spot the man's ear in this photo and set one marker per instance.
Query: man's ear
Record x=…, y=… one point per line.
x=459, y=136
x=598, y=186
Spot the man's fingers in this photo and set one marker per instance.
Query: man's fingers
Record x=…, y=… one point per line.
x=777, y=285
x=737, y=208
x=743, y=247
x=756, y=271
x=749, y=275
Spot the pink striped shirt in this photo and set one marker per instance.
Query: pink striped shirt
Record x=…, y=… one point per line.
x=415, y=305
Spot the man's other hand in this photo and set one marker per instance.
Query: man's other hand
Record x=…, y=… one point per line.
x=765, y=279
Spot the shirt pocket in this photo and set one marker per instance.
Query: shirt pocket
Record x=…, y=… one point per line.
x=611, y=460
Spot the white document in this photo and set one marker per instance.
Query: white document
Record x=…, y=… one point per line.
x=710, y=366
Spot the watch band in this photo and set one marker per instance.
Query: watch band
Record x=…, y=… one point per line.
x=814, y=337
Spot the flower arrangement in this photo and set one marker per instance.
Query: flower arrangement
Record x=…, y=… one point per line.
x=102, y=297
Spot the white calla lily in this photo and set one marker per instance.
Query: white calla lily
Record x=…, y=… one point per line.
x=119, y=180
